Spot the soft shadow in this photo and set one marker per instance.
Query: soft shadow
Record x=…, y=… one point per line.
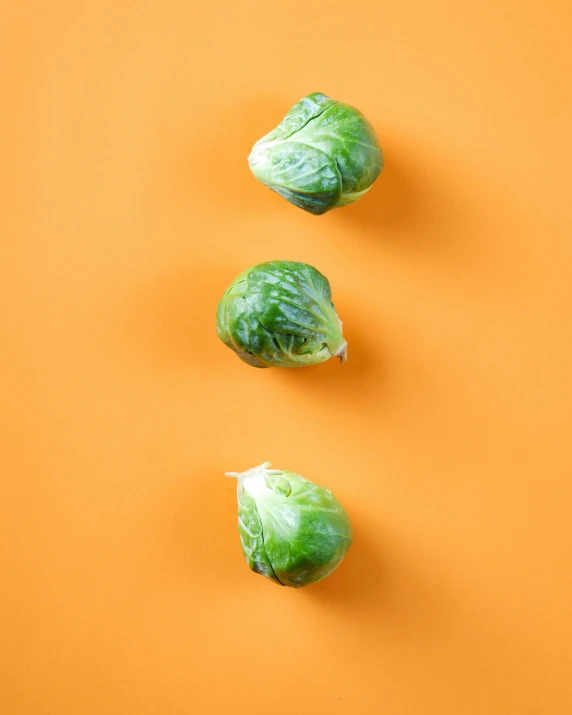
x=389, y=202
x=363, y=376
x=388, y=591
x=360, y=584
x=414, y=202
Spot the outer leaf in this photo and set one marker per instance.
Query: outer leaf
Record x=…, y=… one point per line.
x=252, y=537
x=291, y=297
x=302, y=174
x=299, y=115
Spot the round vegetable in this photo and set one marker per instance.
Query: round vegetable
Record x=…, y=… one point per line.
x=292, y=531
x=280, y=314
x=323, y=154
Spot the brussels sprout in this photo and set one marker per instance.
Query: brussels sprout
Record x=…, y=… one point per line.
x=280, y=314
x=322, y=155
x=292, y=531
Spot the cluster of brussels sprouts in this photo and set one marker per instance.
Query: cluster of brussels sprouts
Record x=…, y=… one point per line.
x=324, y=154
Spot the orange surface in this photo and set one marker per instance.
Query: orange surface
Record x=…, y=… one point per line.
x=128, y=206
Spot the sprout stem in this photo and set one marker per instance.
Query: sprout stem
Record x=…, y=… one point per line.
x=342, y=352
x=249, y=472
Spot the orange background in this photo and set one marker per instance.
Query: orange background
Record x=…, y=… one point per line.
x=128, y=207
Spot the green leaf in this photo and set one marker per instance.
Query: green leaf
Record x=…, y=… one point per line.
x=252, y=537
x=299, y=115
x=303, y=174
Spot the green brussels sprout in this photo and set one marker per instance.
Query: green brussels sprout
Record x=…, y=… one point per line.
x=322, y=155
x=292, y=531
x=280, y=314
